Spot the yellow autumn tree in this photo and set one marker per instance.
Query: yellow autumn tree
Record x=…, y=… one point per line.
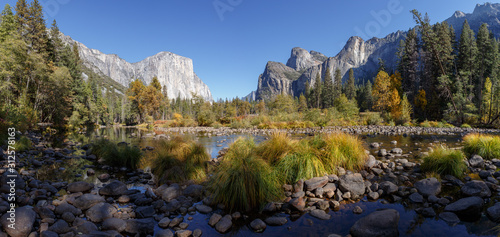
x=420, y=100
x=385, y=94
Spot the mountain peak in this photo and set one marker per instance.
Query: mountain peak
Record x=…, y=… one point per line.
x=301, y=59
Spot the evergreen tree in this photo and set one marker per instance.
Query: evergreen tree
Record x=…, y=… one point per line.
x=7, y=23
x=37, y=31
x=484, y=63
x=350, y=91
x=337, y=84
x=327, y=90
x=302, y=103
x=55, y=44
x=409, y=64
x=317, y=91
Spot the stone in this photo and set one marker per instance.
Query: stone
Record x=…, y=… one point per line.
x=164, y=233
x=429, y=186
x=103, y=177
x=80, y=186
x=114, y=224
x=276, y=220
x=416, y=198
x=493, y=212
x=468, y=209
x=68, y=217
x=60, y=227
x=476, y=161
x=476, y=188
x=374, y=145
x=428, y=212
x=183, y=233
x=194, y=191
x=197, y=233
x=48, y=233
x=320, y=214
x=224, y=224
x=176, y=221
x=100, y=212
x=140, y=226
x=171, y=192
x=24, y=215
x=299, y=186
x=357, y=210
x=87, y=227
x=352, y=183
x=378, y=223
x=203, y=209
x=382, y=152
x=115, y=188
x=388, y=187
x=258, y=225
x=316, y=182
x=214, y=219
x=484, y=174
x=397, y=151
x=449, y=217
x=87, y=200
x=370, y=162
x=298, y=203
x=65, y=207
x=373, y=195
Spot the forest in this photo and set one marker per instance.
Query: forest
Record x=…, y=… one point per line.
x=442, y=80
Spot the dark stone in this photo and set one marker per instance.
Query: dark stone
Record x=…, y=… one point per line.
x=87, y=200
x=214, y=219
x=203, y=209
x=298, y=203
x=388, y=187
x=100, y=212
x=194, y=191
x=164, y=233
x=145, y=211
x=316, y=182
x=258, y=225
x=114, y=224
x=276, y=221
x=476, y=161
x=60, y=227
x=224, y=224
x=352, y=183
x=449, y=217
x=467, y=209
x=493, y=212
x=115, y=188
x=416, y=198
x=476, y=188
x=24, y=220
x=140, y=226
x=80, y=186
x=320, y=214
x=378, y=223
x=428, y=187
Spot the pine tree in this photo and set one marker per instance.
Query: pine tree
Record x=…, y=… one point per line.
x=317, y=91
x=350, y=91
x=37, y=31
x=7, y=23
x=484, y=63
x=22, y=16
x=327, y=90
x=467, y=53
x=409, y=64
x=337, y=84
x=55, y=45
x=302, y=103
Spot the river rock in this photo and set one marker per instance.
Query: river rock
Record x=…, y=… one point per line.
x=87, y=200
x=164, y=222
x=476, y=188
x=47, y=233
x=114, y=224
x=370, y=162
x=171, y=192
x=100, y=212
x=298, y=203
x=493, y=212
x=203, y=209
x=466, y=208
x=183, y=233
x=80, y=186
x=388, y=187
x=416, y=198
x=476, y=161
x=164, y=233
x=320, y=214
x=140, y=226
x=214, y=219
x=397, y=151
x=60, y=227
x=145, y=211
x=24, y=220
x=449, y=217
x=316, y=182
x=224, y=224
x=352, y=183
x=115, y=188
x=378, y=223
x=194, y=191
x=276, y=220
x=258, y=225
x=429, y=186
x=65, y=207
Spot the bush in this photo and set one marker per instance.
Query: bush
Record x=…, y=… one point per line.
x=240, y=123
x=465, y=126
x=344, y=150
x=372, y=118
x=487, y=146
x=177, y=160
x=244, y=181
x=445, y=161
x=23, y=144
x=117, y=155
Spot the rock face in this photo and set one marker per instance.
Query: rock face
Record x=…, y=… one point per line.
x=361, y=55
x=379, y=223
x=173, y=71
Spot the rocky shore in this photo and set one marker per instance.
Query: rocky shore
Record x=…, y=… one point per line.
x=113, y=206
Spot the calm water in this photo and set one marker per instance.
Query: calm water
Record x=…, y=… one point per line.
x=411, y=224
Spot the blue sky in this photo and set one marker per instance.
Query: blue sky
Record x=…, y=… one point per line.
x=230, y=41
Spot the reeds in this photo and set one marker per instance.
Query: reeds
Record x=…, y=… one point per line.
x=445, y=161
x=486, y=146
x=277, y=147
x=343, y=150
x=117, y=155
x=23, y=144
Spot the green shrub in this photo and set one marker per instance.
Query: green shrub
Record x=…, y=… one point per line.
x=240, y=123
x=178, y=160
x=372, y=118
x=23, y=144
x=487, y=146
x=244, y=181
x=117, y=155
x=445, y=161
x=465, y=126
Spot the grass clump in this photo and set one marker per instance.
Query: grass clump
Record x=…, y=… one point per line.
x=302, y=164
x=117, y=155
x=277, y=147
x=465, y=126
x=243, y=180
x=486, y=146
x=343, y=150
x=23, y=144
x=178, y=160
x=445, y=161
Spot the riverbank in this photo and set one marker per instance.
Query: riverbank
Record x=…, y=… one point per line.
x=114, y=201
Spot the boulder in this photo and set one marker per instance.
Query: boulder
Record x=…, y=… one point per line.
x=476, y=188
x=60, y=227
x=320, y=214
x=224, y=224
x=24, y=220
x=87, y=200
x=114, y=224
x=203, y=209
x=276, y=220
x=140, y=226
x=194, y=191
x=449, y=217
x=258, y=225
x=388, y=187
x=100, y=212
x=170, y=193
x=468, y=209
x=164, y=233
x=378, y=223
x=298, y=203
x=352, y=183
x=80, y=186
x=214, y=219
x=416, y=198
x=316, y=182
x=493, y=212
x=476, y=161
x=115, y=188
x=428, y=187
